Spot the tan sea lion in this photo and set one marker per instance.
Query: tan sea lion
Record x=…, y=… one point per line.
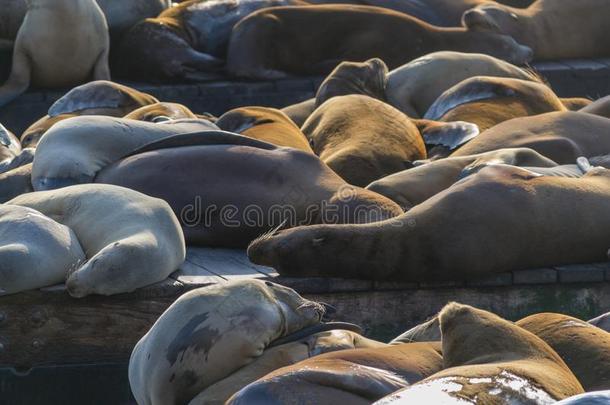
x=74, y=150
x=31, y=136
x=266, y=124
x=414, y=186
x=560, y=136
x=363, y=139
x=357, y=38
x=359, y=376
x=160, y=112
x=77, y=46
x=489, y=360
x=211, y=332
x=574, y=210
x=584, y=347
x=487, y=101
x=131, y=240
x=428, y=331
x=266, y=187
x=35, y=251
x=281, y=356
x=542, y=26
x=599, y=107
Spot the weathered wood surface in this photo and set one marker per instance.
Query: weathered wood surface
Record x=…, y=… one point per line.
x=568, y=78
x=48, y=327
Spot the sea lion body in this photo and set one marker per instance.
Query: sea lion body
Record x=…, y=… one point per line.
x=299, y=112
x=159, y=112
x=74, y=150
x=281, y=356
x=358, y=375
x=414, y=186
x=363, y=139
x=211, y=332
x=494, y=198
x=553, y=29
x=584, y=347
x=560, y=136
x=262, y=189
x=131, y=240
x=15, y=182
x=61, y=43
x=266, y=124
x=35, y=251
x=365, y=32
x=489, y=360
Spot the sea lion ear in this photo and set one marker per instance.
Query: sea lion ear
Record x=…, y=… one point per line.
x=450, y=134
x=479, y=20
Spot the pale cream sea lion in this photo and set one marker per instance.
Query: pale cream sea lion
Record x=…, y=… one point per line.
x=130, y=240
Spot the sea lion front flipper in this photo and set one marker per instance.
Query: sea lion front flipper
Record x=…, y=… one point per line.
x=19, y=80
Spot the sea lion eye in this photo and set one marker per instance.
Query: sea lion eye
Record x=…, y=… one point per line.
x=269, y=283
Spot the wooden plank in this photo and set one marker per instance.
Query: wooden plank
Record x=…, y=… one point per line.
x=222, y=263
x=194, y=275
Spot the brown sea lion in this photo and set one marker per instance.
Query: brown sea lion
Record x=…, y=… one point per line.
x=363, y=139
x=488, y=360
x=487, y=101
x=77, y=46
x=266, y=124
x=358, y=376
x=560, y=136
x=266, y=187
x=428, y=331
x=414, y=186
x=584, y=347
x=365, y=32
x=542, y=26
x=159, y=112
x=421, y=244
x=281, y=356
x=31, y=136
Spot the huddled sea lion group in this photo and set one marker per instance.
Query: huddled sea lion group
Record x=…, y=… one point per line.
x=255, y=342
x=428, y=153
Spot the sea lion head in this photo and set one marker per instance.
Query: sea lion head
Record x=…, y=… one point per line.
x=31, y=136
x=160, y=112
x=491, y=17
x=368, y=78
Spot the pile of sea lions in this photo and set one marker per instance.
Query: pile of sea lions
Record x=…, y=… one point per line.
x=372, y=178
x=255, y=342
x=62, y=43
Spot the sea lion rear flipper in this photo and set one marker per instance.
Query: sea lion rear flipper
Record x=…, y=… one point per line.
x=450, y=134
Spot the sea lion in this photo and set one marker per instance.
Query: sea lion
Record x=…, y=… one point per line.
x=15, y=182
x=266, y=187
x=35, y=251
x=413, y=87
x=599, y=107
x=26, y=156
x=358, y=375
x=414, y=186
x=31, y=136
x=368, y=78
x=299, y=112
x=77, y=45
x=560, y=136
x=542, y=26
x=9, y=146
x=120, y=15
x=211, y=332
x=487, y=101
x=357, y=38
x=584, y=347
x=490, y=360
x=363, y=139
x=281, y=356
x=602, y=321
x=494, y=198
x=74, y=150
x=266, y=124
x=131, y=240
x=588, y=398
x=428, y=331
x=101, y=97
x=160, y=112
